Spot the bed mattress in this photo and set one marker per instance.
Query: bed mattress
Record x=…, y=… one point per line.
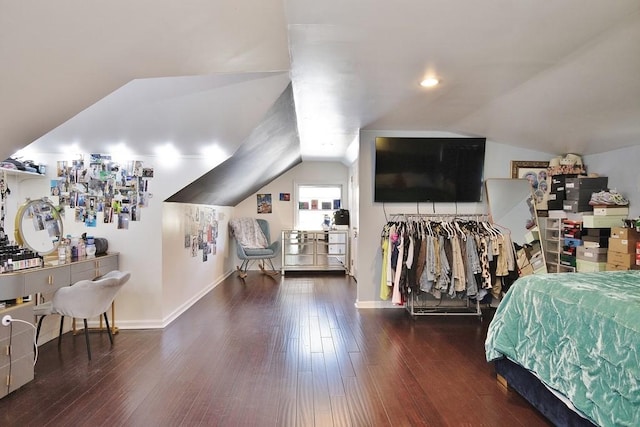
x=580, y=334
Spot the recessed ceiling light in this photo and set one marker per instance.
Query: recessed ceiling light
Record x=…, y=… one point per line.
x=429, y=82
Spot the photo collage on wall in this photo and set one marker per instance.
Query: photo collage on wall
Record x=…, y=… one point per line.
x=117, y=190
x=201, y=231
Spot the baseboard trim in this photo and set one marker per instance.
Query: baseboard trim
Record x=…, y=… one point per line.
x=376, y=304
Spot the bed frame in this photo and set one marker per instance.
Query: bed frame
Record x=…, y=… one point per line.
x=514, y=376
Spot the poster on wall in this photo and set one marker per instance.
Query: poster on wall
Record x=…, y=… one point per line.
x=264, y=203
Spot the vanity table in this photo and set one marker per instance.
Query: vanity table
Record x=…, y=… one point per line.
x=16, y=341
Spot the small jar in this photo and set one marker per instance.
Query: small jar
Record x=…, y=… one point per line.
x=90, y=250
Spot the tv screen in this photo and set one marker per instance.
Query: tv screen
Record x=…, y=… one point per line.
x=429, y=169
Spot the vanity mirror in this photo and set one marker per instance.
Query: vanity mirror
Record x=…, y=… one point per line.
x=38, y=226
x=511, y=207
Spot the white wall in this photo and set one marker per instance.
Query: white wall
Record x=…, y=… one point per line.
x=621, y=166
x=282, y=217
x=186, y=279
x=140, y=304
x=371, y=216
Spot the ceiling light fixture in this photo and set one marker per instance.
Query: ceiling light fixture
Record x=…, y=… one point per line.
x=429, y=82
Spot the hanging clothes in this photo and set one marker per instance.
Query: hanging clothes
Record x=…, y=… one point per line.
x=454, y=257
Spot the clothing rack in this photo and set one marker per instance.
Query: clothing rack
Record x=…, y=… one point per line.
x=420, y=303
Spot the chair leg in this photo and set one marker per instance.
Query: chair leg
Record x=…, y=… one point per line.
x=39, y=326
x=86, y=338
x=242, y=269
x=271, y=272
x=60, y=334
x=106, y=321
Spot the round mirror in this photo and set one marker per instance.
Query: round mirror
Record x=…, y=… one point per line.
x=38, y=226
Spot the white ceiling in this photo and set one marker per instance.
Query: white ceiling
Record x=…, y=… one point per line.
x=557, y=76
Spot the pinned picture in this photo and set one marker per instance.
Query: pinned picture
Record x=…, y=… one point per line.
x=285, y=197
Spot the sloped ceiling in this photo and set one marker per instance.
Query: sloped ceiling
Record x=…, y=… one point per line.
x=272, y=148
x=554, y=76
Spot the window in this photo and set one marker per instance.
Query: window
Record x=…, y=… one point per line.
x=316, y=204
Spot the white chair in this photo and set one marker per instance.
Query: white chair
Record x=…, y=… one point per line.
x=83, y=300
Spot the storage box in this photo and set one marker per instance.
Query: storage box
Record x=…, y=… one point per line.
x=596, y=183
x=556, y=196
x=621, y=259
x=526, y=270
x=625, y=233
x=621, y=245
x=599, y=232
x=568, y=242
x=623, y=240
x=560, y=180
x=611, y=210
x=588, y=266
x=595, y=242
x=567, y=260
x=592, y=254
x=602, y=221
x=613, y=267
x=532, y=235
x=576, y=206
x=583, y=195
x=555, y=205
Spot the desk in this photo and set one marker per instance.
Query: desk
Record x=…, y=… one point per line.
x=43, y=280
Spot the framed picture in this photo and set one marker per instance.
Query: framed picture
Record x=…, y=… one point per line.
x=537, y=174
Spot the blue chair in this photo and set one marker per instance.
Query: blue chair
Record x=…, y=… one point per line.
x=253, y=243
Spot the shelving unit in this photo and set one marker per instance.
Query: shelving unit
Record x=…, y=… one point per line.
x=304, y=250
x=553, y=242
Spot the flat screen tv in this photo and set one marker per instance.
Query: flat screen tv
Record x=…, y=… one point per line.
x=429, y=169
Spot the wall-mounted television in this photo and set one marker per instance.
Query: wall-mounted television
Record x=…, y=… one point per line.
x=429, y=169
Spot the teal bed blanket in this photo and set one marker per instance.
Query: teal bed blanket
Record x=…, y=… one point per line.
x=580, y=334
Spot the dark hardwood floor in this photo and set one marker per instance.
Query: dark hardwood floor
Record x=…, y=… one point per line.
x=284, y=352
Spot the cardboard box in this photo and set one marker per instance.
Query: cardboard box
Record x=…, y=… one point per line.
x=623, y=240
x=588, y=266
x=526, y=270
x=602, y=221
x=613, y=267
x=611, y=210
x=621, y=259
x=592, y=254
x=621, y=245
x=625, y=233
